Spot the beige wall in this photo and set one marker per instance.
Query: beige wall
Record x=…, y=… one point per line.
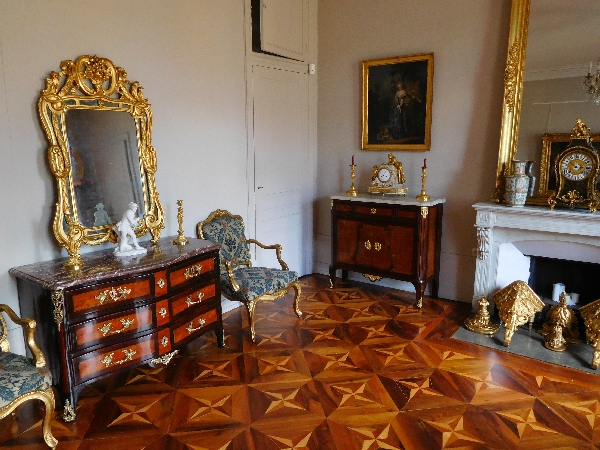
x=468, y=38
x=189, y=57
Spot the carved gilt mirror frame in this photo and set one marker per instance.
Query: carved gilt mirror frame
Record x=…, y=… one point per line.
x=92, y=83
x=513, y=88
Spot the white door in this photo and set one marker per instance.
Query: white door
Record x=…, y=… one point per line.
x=280, y=143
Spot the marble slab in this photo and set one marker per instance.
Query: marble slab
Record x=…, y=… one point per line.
x=103, y=264
x=388, y=198
x=531, y=345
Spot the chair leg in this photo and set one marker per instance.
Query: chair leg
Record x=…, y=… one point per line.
x=48, y=399
x=296, y=286
x=250, y=307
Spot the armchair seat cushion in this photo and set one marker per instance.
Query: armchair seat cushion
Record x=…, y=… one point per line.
x=19, y=376
x=257, y=281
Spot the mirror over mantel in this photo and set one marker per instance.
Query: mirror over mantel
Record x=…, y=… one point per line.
x=99, y=128
x=550, y=47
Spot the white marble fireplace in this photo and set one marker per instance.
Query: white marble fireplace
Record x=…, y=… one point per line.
x=506, y=234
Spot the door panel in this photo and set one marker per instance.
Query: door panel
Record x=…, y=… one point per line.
x=284, y=28
x=280, y=130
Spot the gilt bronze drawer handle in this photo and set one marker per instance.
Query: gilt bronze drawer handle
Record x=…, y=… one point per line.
x=162, y=312
x=113, y=294
x=190, y=328
x=190, y=302
x=373, y=211
x=368, y=245
x=161, y=283
x=377, y=246
x=193, y=271
x=108, y=360
x=106, y=329
x=164, y=341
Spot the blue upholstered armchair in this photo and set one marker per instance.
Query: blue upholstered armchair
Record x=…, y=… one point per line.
x=239, y=280
x=23, y=379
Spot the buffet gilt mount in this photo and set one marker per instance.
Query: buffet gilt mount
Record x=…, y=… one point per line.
x=86, y=154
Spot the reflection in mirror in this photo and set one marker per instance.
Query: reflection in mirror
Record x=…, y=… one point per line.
x=105, y=164
x=563, y=38
x=550, y=46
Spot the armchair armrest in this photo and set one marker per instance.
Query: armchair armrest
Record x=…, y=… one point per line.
x=275, y=247
x=232, y=281
x=28, y=326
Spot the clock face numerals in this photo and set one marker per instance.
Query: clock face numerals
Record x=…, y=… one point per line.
x=576, y=166
x=384, y=175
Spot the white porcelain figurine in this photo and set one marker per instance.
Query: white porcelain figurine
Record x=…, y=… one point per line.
x=124, y=230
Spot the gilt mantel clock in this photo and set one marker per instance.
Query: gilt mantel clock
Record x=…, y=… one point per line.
x=388, y=178
x=576, y=170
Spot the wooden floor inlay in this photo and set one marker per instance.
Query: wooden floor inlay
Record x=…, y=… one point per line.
x=363, y=369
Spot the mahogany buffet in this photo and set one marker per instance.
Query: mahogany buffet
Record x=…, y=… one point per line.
x=118, y=313
x=387, y=237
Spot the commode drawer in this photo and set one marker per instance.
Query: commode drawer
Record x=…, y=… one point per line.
x=107, y=295
x=106, y=360
x=189, y=299
x=195, y=326
x=185, y=274
x=118, y=326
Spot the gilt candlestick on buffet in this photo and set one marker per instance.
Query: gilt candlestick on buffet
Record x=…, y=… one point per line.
x=180, y=239
x=352, y=191
x=423, y=197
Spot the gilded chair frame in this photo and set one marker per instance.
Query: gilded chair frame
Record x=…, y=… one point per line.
x=47, y=395
x=92, y=82
x=251, y=305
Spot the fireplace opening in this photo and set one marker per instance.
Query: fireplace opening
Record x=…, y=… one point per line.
x=577, y=276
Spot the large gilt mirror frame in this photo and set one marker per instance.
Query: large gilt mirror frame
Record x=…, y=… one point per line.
x=92, y=83
x=513, y=88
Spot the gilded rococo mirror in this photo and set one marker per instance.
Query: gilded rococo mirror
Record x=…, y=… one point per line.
x=99, y=127
x=552, y=46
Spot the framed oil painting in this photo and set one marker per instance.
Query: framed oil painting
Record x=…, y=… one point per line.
x=396, y=103
x=552, y=145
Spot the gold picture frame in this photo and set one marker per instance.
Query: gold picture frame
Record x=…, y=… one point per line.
x=397, y=95
x=553, y=145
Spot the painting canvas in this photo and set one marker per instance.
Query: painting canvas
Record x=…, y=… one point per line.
x=397, y=96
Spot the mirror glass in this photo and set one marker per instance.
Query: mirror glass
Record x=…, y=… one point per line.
x=563, y=38
x=105, y=165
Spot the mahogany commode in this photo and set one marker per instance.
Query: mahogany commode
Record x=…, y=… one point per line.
x=387, y=237
x=117, y=313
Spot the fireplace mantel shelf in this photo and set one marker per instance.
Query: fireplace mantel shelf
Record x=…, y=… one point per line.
x=499, y=224
x=538, y=218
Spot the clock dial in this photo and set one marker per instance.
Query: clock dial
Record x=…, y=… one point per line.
x=384, y=175
x=576, y=166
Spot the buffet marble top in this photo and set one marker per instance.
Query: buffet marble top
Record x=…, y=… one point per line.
x=103, y=264
x=389, y=199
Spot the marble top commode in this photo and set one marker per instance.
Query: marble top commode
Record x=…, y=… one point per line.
x=389, y=199
x=103, y=264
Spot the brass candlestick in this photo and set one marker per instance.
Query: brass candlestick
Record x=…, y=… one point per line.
x=352, y=191
x=423, y=197
x=480, y=323
x=180, y=239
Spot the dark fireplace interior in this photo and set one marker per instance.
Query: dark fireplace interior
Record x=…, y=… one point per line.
x=580, y=277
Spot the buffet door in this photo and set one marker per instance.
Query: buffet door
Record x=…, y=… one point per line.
x=280, y=145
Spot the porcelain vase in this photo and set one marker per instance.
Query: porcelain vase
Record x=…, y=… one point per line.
x=517, y=184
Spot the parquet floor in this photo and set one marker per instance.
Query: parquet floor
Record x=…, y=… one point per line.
x=363, y=369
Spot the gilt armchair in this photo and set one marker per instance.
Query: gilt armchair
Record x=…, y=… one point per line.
x=239, y=280
x=23, y=379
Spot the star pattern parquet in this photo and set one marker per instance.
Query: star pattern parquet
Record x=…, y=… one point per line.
x=363, y=369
